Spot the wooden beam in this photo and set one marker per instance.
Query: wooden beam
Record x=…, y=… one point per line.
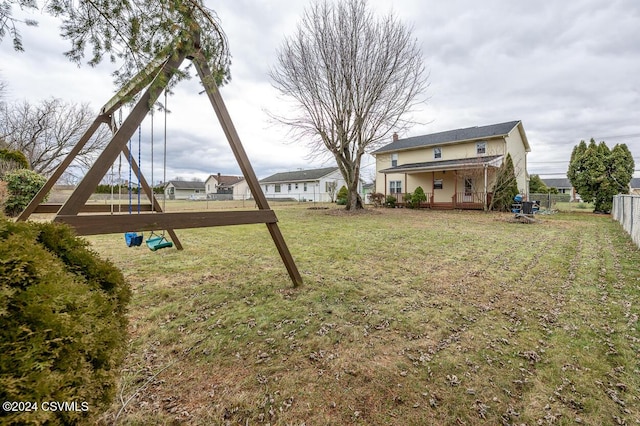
x=40, y=196
x=134, y=86
x=229, y=130
x=119, y=140
x=94, y=208
x=285, y=254
x=243, y=161
x=111, y=224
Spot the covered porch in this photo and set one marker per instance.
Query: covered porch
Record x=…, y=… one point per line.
x=448, y=184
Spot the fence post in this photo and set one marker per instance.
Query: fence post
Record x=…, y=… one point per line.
x=632, y=218
x=625, y=214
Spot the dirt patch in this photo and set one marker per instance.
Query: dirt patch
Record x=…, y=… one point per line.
x=361, y=212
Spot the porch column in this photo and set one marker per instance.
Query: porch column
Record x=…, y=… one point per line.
x=405, y=186
x=433, y=188
x=385, y=187
x=486, y=206
x=455, y=189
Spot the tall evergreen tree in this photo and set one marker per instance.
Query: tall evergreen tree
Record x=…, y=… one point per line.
x=598, y=173
x=621, y=168
x=505, y=187
x=537, y=186
x=575, y=167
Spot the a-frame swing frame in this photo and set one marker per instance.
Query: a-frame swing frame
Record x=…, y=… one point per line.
x=155, y=78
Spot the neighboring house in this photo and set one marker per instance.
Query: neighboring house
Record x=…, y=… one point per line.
x=635, y=186
x=456, y=168
x=304, y=185
x=221, y=187
x=367, y=189
x=183, y=190
x=563, y=185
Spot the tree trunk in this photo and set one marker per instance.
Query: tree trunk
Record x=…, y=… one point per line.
x=354, y=201
x=350, y=170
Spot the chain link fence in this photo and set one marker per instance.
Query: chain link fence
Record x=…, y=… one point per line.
x=626, y=210
x=548, y=201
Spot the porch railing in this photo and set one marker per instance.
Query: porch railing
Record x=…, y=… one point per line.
x=460, y=200
x=403, y=200
x=469, y=200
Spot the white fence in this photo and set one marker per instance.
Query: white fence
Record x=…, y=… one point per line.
x=626, y=210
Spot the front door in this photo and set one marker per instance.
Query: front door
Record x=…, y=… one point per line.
x=468, y=190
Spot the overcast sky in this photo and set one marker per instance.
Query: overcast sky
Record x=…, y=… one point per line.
x=570, y=70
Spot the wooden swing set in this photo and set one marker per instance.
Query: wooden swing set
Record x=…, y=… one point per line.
x=101, y=220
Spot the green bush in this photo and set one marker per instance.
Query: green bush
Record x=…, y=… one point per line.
x=341, y=197
x=505, y=187
x=23, y=185
x=106, y=189
x=390, y=201
x=418, y=197
x=11, y=160
x=64, y=329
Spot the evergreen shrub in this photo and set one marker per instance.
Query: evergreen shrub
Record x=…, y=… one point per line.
x=23, y=185
x=11, y=160
x=418, y=197
x=341, y=197
x=64, y=329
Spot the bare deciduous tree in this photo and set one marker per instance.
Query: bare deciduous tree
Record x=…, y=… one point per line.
x=332, y=187
x=45, y=133
x=354, y=78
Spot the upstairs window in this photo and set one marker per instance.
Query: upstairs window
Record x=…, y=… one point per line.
x=481, y=148
x=394, y=159
x=437, y=152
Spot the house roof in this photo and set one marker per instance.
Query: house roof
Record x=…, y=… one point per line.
x=370, y=185
x=565, y=183
x=466, y=163
x=453, y=136
x=557, y=183
x=226, y=180
x=186, y=184
x=299, y=175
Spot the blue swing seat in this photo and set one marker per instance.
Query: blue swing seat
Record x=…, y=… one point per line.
x=158, y=242
x=133, y=239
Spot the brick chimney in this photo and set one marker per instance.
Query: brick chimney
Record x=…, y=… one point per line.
x=395, y=136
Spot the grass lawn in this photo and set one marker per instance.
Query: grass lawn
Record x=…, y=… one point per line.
x=405, y=317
